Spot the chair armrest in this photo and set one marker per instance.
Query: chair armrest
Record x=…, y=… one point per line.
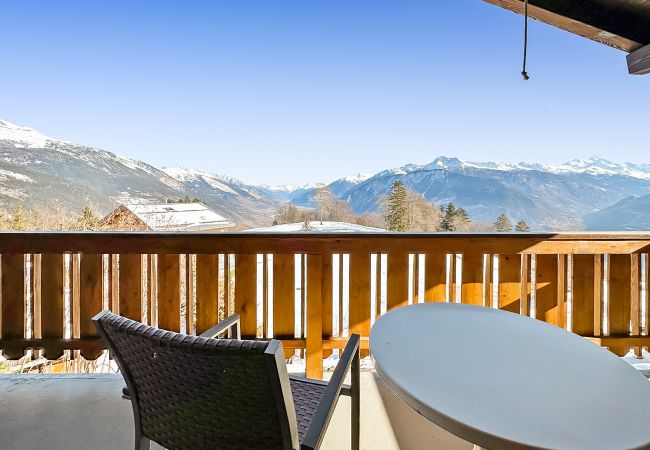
x=316, y=431
x=230, y=322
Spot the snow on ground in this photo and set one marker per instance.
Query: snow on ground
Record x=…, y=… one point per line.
x=16, y=176
x=25, y=136
x=315, y=226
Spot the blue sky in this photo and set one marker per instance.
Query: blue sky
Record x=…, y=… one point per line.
x=302, y=91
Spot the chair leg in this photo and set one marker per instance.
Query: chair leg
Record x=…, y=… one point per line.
x=141, y=442
x=355, y=388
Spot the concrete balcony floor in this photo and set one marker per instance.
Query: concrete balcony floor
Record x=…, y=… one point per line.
x=75, y=412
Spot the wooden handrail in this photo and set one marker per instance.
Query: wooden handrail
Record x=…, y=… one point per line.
x=187, y=281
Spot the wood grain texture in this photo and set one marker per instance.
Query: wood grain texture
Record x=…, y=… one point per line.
x=328, y=300
x=525, y=285
x=284, y=296
x=510, y=283
x=546, y=277
x=290, y=243
x=90, y=298
x=130, y=286
x=314, y=338
x=472, y=279
x=12, y=313
x=572, y=25
x=584, y=294
x=561, y=291
x=246, y=293
x=359, y=315
x=52, y=284
x=620, y=292
x=398, y=287
x=207, y=292
x=169, y=299
x=435, y=277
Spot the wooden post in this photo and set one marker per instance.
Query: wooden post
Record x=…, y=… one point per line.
x=12, y=323
x=620, y=295
x=584, y=295
x=284, y=300
x=52, y=320
x=435, y=277
x=314, y=352
x=169, y=305
x=546, y=275
x=130, y=286
x=472, y=287
x=90, y=294
x=359, y=315
x=398, y=272
x=246, y=293
x=207, y=290
x=561, y=291
x=510, y=286
x=525, y=285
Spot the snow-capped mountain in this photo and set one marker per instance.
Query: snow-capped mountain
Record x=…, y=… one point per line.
x=549, y=197
x=241, y=202
x=38, y=171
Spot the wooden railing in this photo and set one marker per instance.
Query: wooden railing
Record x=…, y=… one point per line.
x=310, y=289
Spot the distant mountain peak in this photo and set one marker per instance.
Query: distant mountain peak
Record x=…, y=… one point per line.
x=23, y=136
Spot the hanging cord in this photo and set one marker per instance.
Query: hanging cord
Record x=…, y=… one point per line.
x=523, y=71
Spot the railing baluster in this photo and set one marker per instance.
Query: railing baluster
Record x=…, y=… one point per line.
x=510, y=283
x=130, y=286
x=620, y=292
x=52, y=316
x=359, y=315
x=472, y=279
x=246, y=293
x=207, y=291
x=398, y=282
x=561, y=291
x=435, y=277
x=169, y=305
x=327, y=300
x=546, y=277
x=314, y=331
x=284, y=299
x=584, y=295
x=12, y=319
x=90, y=296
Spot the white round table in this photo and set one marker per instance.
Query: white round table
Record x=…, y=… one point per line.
x=505, y=381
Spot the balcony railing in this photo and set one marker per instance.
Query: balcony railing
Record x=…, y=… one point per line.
x=309, y=289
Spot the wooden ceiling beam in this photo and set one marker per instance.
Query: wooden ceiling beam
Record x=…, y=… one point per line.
x=568, y=24
x=638, y=62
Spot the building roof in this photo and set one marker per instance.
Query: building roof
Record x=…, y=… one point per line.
x=315, y=226
x=622, y=24
x=179, y=217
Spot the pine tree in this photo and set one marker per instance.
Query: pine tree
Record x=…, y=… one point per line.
x=87, y=221
x=455, y=219
x=503, y=224
x=397, y=214
x=447, y=220
x=18, y=220
x=522, y=226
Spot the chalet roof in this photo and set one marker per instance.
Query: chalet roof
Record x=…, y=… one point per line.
x=622, y=24
x=179, y=217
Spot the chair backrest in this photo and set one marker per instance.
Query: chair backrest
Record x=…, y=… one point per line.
x=194, y=392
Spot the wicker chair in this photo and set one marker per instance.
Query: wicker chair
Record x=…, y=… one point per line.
x=197, y=392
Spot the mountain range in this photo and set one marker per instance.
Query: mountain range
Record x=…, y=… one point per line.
x=43, y=172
